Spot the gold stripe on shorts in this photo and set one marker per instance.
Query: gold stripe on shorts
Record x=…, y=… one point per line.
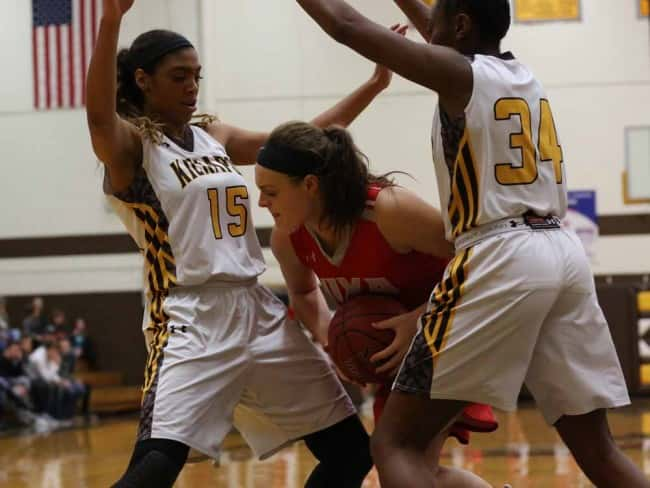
x=158, y=326
x=445, y=298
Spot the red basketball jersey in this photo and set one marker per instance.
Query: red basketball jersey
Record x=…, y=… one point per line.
x=367, y=264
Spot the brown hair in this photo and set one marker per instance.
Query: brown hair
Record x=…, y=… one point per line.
x=343, y=177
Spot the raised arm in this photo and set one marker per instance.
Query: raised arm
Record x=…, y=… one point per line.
x=305, y=294
x=439, y=68
x=242, y=145
x=419, y=13
x=115, y=141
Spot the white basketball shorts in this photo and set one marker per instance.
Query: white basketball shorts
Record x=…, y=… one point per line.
x=512, y=308
x=223, y=356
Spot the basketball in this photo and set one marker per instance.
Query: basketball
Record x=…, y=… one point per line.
x=352, y=340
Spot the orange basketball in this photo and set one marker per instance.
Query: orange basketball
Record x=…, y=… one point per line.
x=352, y=340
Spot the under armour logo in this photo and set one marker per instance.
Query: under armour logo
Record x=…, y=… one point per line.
x=181, y=328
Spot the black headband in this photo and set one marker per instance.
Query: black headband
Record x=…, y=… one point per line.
x=150, y=52
x=289, y=161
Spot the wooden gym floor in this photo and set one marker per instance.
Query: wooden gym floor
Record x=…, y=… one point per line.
x=523, y=452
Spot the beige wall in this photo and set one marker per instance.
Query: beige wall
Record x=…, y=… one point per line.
x=266, y=62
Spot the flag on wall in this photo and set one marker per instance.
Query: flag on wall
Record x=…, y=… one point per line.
x=63, y=37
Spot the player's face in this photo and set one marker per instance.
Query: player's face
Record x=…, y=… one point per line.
x=290, y=203
x=173, y=89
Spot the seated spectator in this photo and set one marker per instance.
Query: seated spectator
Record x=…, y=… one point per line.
x=81, y=344
x=35, y=322
x=15, y=399
x=58, y=324
x=59, y=394
x=14, y=375
x=27, y=346
x=66, y=371
x=4, y=316
x=42, y=368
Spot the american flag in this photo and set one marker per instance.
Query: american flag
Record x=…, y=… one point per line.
x=63, y=37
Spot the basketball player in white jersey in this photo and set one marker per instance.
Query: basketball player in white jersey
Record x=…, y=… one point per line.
x=221, y=352
x=517, y=304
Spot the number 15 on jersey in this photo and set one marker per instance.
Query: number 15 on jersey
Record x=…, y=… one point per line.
x=235, y=207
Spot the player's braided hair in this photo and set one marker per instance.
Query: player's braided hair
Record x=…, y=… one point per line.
x=491, y=16
x=344, y=177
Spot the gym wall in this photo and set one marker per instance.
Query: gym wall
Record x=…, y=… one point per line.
x=265, y=63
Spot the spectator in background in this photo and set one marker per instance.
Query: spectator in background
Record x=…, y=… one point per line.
x=43, y=369
x=68, y=358
x=35, y=322
x=27, y=346
x=58, y=323
x=75, y=388
x=4, y=316
x=14, y=376
x=81, y=344
x=62, y=393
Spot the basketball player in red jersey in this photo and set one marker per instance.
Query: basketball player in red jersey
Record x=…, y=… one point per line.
x=358, y=234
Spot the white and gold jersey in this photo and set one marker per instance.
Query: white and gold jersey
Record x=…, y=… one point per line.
x=190, y=215
x=503, y=158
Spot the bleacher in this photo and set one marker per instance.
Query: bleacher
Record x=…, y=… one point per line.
x=109, y=393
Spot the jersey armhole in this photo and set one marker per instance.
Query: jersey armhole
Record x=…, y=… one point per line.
x=476, y=81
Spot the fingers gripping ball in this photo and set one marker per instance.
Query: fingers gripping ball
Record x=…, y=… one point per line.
x=352, y=340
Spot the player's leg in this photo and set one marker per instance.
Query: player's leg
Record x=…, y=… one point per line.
x=412, y=423
x=474, y=347
x=155, y=462
x=192, y=385
x=449, y=477
x=401, y=441
x=590, y=441
x=293, y=393
x=343, y=452
x=444, y=476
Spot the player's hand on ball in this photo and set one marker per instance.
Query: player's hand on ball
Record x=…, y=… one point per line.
x=405, y=326
x=382, y=75
x=115, y=9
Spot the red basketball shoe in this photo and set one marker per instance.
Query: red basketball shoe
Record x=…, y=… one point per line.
x=477, y=417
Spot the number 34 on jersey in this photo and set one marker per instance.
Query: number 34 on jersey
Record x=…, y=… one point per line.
x=525, y=171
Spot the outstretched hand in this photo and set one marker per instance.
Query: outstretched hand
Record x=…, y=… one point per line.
x=382, y=75
x=115, y=9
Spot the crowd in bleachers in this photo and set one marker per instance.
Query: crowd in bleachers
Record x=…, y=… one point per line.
x=38, y=359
